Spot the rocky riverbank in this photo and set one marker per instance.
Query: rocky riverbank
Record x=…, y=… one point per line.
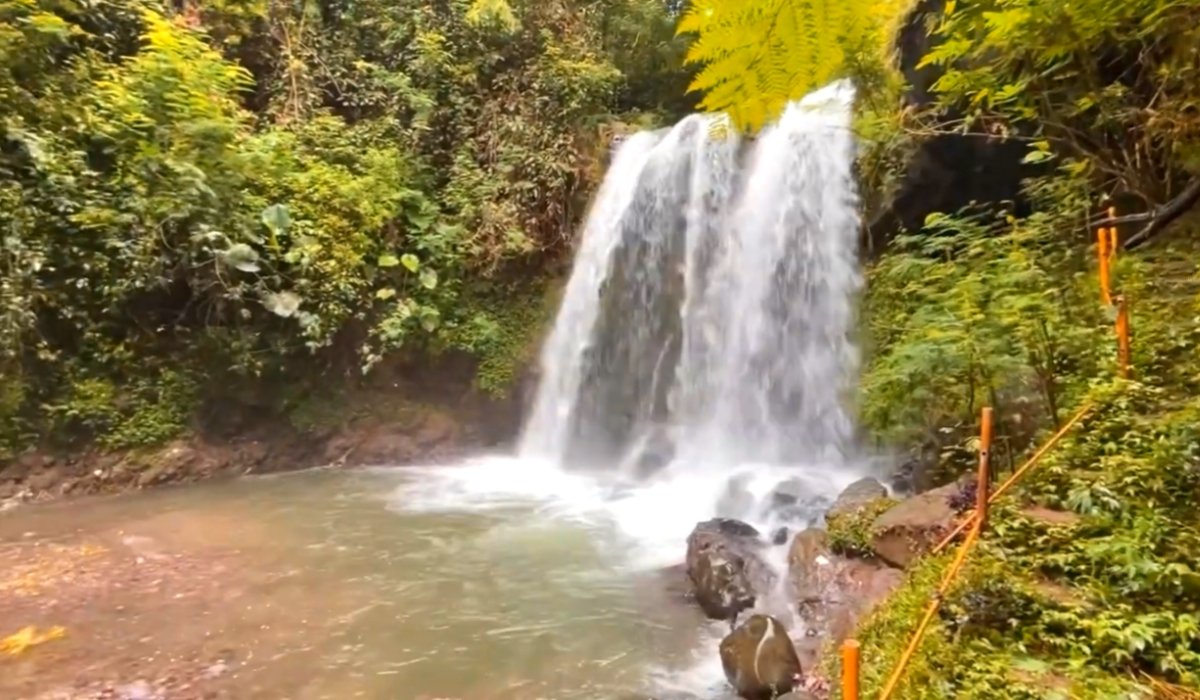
x=834, y=577
x=403, y=415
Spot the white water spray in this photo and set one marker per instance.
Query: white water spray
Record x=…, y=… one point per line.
x=707, y=321
x=701, y=355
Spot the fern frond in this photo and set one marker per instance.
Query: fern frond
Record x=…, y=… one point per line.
x=758, y=55
x=492, y=12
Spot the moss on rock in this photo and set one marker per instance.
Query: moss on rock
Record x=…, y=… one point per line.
x=850, y=532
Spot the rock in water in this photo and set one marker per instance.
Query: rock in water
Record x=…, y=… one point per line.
x=736, y=501
x=726, y=567
x=759, y=659
x=855, y=496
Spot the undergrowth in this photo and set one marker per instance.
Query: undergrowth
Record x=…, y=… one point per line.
x=850, y=533
x=1102, y=602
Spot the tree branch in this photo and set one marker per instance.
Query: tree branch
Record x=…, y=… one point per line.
x=1158, y=217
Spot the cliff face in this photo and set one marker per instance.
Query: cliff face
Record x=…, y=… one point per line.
x=945, y=172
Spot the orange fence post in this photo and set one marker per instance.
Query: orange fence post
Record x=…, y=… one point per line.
x=850, y=672
x=985, y=460
x=1112, y=236
x=1015, y=476
x=1102, y=257
x=1123, y=356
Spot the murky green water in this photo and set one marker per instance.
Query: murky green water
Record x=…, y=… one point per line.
x=325, y=585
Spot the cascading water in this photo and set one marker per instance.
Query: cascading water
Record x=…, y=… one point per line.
x=706, y=323
x=700, y=358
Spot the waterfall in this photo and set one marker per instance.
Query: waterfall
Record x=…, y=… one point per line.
x=707, y=320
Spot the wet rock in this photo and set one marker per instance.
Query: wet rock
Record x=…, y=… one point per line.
x=45, y=478
x=787, y=493
x=656, y=453
x=736, y=501
x=779, y=536
x=391, y=444
x=808, y=548
x=435, y=430
x=833, y=592
x=759, y=659
x=725, y=565
x=855, y=496
x=177, y=461
x=914, y=526
x=792, y=501
x=27, y=464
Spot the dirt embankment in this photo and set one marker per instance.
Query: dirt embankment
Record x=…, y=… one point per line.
x=404, y=414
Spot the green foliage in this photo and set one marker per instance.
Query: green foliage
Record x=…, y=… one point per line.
x=850, y=533
x=227, y=192
x=980, y=308
x=1114, y=96
x=758, y=55
x=1079, y=608
x=973, y=312
x=504, y=333
x=152, y=409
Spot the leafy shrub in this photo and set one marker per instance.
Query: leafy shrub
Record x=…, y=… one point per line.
x=850, y=533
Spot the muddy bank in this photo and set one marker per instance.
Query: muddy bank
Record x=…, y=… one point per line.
x=403, y=413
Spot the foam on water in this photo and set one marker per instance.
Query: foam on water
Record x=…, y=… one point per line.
x=701, y=354
x=652, y=518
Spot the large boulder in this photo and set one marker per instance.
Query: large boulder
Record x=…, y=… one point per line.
x=726, y=567
x=855, y=496
x=793, y=500
x=833, y=592
x=736, y=501
x=915, y=526
x=759, y=659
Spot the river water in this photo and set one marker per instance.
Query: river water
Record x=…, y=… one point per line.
x=359, y=583
x=701, y=358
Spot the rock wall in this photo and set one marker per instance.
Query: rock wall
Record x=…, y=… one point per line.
x=949, y=171
x=406, y=411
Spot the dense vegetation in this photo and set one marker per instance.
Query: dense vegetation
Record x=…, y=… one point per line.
x=240, y=192
x=988, y=306
x=197, y=196
x=999, y=305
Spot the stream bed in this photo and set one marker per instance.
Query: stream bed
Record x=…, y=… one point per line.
x=342, y=584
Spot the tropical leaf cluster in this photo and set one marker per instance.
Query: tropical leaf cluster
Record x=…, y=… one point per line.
x=757, y=55
x=230, y=199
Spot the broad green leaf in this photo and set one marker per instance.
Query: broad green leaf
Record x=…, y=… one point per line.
x=385, y=293
x=241, y=256
x=410, y=262
x=404, y=309
x=388, y=260
x=282, y=303
x=429, y=278
x=276, y=218
x=430, y=318
x=421, y=218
